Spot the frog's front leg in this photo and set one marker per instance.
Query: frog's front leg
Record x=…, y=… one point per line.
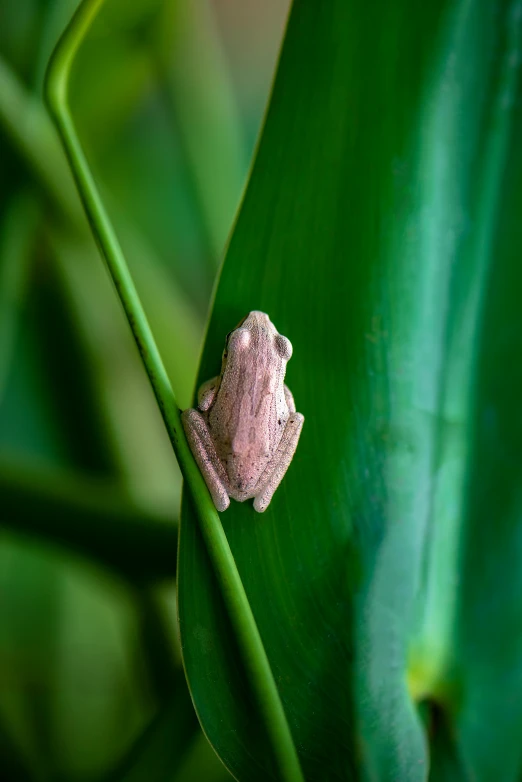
x=278, y=465
x=205, y=454
x=207, y=392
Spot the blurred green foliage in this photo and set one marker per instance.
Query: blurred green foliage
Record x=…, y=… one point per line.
x=168, y=98
x=381, y=231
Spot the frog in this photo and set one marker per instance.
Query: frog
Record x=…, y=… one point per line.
x=245, y=430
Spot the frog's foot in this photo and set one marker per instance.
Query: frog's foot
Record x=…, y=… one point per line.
x=205, y=455
x=278, y=465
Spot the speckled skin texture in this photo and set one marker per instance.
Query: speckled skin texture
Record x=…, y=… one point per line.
x=246, y=429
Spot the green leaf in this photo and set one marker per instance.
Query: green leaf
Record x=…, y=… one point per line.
x=445, y=762
x=160, y=749
x=75, y=694
x=195, y=80
x=88, y=517
x=369, y=234
x=17, y=237
x=14, y=765
x=487, y=661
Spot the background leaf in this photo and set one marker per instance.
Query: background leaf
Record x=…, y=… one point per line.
x=86, y=466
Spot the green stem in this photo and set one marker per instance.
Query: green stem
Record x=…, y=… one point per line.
x=249, y=639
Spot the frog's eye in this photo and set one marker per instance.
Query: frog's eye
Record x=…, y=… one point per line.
x=240, y=339
x=283, y=347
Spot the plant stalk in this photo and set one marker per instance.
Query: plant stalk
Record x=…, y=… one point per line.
x=250, y=642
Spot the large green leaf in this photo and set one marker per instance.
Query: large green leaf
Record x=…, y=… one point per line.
x=368, y=232
x=488, y=623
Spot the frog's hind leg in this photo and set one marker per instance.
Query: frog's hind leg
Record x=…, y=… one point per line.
x=278, y=465
x=205, y=455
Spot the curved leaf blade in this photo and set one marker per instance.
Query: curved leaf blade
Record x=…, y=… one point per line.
x=327, y=242
x=369, y=232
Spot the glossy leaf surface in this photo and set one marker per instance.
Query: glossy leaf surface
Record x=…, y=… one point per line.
x=374, y=232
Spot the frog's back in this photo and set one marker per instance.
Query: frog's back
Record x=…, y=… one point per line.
x=253, y=443
x=250, y=413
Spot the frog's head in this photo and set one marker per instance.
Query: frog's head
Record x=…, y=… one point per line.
x=256, y=335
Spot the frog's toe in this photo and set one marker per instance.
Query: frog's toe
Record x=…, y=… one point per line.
x=221, y=501
x=261, y=502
